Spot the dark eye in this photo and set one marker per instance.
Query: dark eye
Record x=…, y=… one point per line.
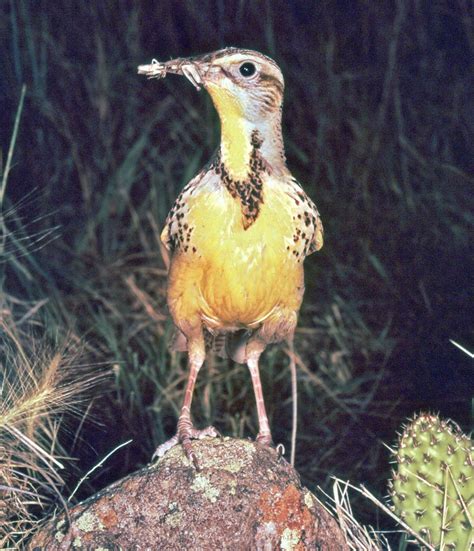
x=247, y=69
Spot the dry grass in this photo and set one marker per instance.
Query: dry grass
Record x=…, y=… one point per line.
x=39, y=386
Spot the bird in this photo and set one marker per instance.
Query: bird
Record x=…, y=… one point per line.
x=238, y=233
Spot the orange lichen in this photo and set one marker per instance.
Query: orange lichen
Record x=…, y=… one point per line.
x=286, y=510
x=108, y=518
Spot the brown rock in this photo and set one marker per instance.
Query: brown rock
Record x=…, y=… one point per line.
x=244, y=498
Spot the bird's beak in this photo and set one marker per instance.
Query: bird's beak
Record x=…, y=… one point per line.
x=194, y=69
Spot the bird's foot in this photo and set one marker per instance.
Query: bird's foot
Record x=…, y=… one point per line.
x=186, y=433
x=265, y=438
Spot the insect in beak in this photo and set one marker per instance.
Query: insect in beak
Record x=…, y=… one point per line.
x=157, y=69
x=191, y=72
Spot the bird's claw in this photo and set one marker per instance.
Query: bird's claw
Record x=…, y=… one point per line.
x=184, y=437
x=163, y=448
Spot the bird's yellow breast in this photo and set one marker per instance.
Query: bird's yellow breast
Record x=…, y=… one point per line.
x=231, y=276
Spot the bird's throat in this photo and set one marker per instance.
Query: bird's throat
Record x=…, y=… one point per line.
x=238, y=135
x=236, y=147
x=236, y=141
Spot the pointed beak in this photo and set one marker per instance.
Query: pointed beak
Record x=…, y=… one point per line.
x=194, y=69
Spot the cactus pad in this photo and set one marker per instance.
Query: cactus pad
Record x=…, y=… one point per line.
x=432, y=488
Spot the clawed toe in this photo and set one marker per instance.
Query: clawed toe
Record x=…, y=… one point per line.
x=163, y=448
x=184, y=437
x=198, y=434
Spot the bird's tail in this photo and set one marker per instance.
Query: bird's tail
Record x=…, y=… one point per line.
x=226, y=345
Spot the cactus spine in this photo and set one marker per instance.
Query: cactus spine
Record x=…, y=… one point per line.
x=432, y=488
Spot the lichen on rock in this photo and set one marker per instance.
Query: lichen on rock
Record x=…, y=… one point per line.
x=245, y=497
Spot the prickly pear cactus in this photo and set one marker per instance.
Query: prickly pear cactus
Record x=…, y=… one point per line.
x=432, y=488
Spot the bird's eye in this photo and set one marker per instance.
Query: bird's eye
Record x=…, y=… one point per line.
x=247, y=69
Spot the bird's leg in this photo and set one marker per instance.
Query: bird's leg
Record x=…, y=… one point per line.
x=186, y=430
x=255, y=349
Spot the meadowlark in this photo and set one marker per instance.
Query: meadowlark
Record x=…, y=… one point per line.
x=239, y=231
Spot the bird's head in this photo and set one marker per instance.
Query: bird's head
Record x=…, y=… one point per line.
x=246, y=88
x=241, y=82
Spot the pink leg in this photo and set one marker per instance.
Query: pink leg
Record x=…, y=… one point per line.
x=186, y=430
x=264, y=435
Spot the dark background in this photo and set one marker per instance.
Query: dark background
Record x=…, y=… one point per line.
x=378, y=125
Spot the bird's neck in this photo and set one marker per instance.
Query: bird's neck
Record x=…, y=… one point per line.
x=239, y=139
